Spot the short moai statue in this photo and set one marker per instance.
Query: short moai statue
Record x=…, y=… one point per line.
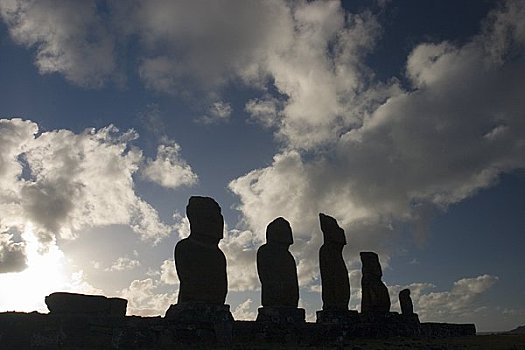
x=374, y=294
x=201, y=268
x=200, y=264
x=278, y=275
x=405, y=301
x=334, y=274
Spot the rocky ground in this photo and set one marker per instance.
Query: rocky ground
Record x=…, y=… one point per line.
x=479, y=342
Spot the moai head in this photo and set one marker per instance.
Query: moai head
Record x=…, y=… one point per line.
x=404, y=294
x=279, y=231
x=370, y=263
x=332, y=233
x=205, y=218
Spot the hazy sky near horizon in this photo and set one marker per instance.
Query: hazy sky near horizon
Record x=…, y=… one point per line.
x=404, y=120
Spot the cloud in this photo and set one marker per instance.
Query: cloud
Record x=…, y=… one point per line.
x=70, y=37
x=240, y=247
x=169, y=169
x=168, y=274
x=198, y=45
x=45, y=272
x=244, y=311
x=12, y=254
x=143, y=299
x=218, y=112
x=63, y=183
x=452, y=132
x=458, y=302
x=122, y=264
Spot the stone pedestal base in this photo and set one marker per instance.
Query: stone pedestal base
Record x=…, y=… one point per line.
x=387, y=324
x=341, y=317
x=203, y=322
x=281, y=315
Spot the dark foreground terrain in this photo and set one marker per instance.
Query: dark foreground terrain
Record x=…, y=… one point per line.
x=489, y=342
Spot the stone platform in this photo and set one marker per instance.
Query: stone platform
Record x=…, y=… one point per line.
x=281, y=315
x=340, y=317
x=47, y=331
x=210, y=323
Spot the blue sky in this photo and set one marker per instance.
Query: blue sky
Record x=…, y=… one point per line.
x=402, y=119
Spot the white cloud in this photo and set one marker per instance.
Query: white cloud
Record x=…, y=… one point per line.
x=188, y=45
x=454, y=132
x=143, y=299
x=70, y=37
x=245, y=311
x=168, y=274
x=181, y=225
x=240, y=247
x=219, y=111
x=264, y=110
x=460, y=302
x=63, y=183
x=123, y=263
x=169, y=169
x=12, y=254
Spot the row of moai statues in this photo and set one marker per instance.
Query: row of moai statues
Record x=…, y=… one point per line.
x=201, y=267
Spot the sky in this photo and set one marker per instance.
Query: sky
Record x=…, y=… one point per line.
x=404, y=120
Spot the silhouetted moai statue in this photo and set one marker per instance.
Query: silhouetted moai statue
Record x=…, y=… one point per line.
x=334, y=274
x=200, y=264
x=201, y=267
x=276, y=266
x=405, y=301
x=278, y=275
x=374, y=294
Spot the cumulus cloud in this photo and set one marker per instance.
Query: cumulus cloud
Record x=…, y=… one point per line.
x=240, y=247
x=123, y=263
x=70, y=37
x=188, y=45
x=458, y=302
x=62, y=183
x=264, y=110
x=12, y=254
x=168, y=274
x=218, y=112
x=143, y=299
x=244, y=311
x=452, y=132
x=168, y=169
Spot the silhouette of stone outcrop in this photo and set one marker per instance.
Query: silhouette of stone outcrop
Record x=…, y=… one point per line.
x=200, y=264
x=73, y=304
x=374, y=294
x=405, y=301
x=278, y=275
x=201, y=267
x=334, y=274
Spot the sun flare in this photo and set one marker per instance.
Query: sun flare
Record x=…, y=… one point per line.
x=45, y=273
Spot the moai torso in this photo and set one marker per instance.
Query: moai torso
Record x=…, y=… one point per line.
x=405, y=301
x=276, y=267
x=374, y=294
x=334, y=274
x=200, y=264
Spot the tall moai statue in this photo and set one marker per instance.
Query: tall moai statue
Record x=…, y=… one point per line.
x=201, y=267
x=278, y=275
x=334, y=274
x=200, y=264
x=374, y=294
